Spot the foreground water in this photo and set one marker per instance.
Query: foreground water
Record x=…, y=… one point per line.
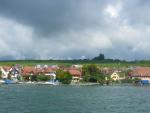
x=74, y=99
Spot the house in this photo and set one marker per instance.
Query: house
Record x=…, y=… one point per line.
x=142, y=73
x=50, y=71
x=12, y=73
x=15, y=74
x=5, y=71
x=77, y=66
x=29, y=71
x=76, y=74
x=116, y=75
x=107, y=71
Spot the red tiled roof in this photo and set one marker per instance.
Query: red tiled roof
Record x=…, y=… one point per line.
x=49, y=69
x=28, y=70
x=6, y=68
x=74, y=72
x=141, y=71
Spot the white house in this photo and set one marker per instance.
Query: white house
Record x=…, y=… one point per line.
x=12, y=73
x=5, y=71
x=116, y=76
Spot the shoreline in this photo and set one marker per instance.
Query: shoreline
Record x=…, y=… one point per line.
x=73, y=84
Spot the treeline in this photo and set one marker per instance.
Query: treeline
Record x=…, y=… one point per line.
x=100, y=59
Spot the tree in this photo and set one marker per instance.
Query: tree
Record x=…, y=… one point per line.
x=88, y=72
x=90, y=69
x=101, y=78
x=136, y=80
x=100, y=57
x=93, y=69
x=63, y=76
x=91, y=73
x=43, y=78
x=33, y=78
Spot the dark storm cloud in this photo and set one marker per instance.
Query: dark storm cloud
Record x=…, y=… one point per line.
x=43, y=29
x=50, y=16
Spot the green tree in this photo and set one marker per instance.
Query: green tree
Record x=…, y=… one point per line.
x=136, y=80
x=63, y=76
x=43, y=78
x=93, y=69
x=26, y=78
x=88, y=71
x=91, y=73
x=101, y=78
x=33, y=78
x=100, y=57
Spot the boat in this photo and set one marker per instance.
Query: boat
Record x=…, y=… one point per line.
x=2, y=81
x=51, y=82
x=7, y=81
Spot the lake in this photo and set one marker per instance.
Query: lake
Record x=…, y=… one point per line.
x=74, y=99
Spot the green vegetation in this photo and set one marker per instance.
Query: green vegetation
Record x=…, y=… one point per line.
x=33, y=78
x=101, y=63
x=91, y=73
x=91, y=69
x=64, y=77
x=26, y=78
x=129, y=80
x=43, y=78
x=136, y=80
x=99, y=60
x=36, y=78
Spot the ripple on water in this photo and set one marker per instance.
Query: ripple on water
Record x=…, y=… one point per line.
x=74, y=99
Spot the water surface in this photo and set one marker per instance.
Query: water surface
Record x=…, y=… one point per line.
x=74, y=99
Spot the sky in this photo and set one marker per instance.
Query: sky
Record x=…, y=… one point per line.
x=74, y=29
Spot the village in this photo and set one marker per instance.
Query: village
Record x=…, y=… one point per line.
x=75, y=74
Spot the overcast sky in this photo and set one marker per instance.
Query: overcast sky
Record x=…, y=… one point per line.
x=66, y=29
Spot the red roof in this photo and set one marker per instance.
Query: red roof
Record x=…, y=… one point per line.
x=74, y=72
x=28, y=70
x=141, y=71
x=6, y=68
x=50, y=69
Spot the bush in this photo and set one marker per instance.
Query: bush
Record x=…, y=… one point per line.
x=129, y=80
x=136, y=80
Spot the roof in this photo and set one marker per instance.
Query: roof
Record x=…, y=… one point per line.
x=141, y=71
x=74, y=72
x=7, y=68
x=27, y=70
x=49, y=69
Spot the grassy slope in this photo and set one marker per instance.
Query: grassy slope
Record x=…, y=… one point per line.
x=70, y=62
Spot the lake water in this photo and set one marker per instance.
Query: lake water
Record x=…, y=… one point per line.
x=74, y=99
